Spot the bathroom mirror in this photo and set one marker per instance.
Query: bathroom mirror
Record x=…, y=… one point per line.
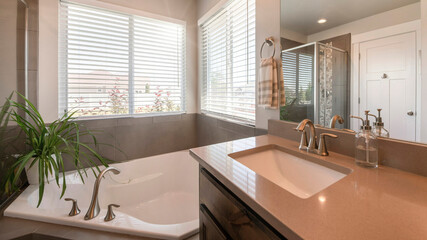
x=342, y=57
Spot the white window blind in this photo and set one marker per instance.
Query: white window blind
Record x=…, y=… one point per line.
x=298, y=77
x=114, y=63
x=228, y=49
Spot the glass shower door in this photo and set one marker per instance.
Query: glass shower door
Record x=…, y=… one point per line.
x=332, y=85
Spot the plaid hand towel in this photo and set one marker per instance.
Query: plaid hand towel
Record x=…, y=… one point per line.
x=270, y=84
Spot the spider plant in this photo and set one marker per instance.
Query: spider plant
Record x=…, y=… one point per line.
x=5, y=140
x=49, y=146
x=4, y=120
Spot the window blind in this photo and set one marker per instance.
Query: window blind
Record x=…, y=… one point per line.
x=298, y=77
x=112, y=63
x=228, y=58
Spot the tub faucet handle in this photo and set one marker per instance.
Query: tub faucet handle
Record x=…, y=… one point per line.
x=110, y=214
x=75, y=209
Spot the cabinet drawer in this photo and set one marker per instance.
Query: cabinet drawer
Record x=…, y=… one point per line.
x=237, y=220
x=209, y=227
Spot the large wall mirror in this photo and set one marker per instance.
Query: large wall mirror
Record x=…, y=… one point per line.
x=342, y=57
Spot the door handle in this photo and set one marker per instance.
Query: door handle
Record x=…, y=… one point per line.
x=410, y=113
x=384, y=76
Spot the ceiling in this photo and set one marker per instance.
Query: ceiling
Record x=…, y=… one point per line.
x=301, y=15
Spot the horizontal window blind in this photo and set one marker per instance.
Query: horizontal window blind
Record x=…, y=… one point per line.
x=298, y=77
x=114, y=63
x=228, y=51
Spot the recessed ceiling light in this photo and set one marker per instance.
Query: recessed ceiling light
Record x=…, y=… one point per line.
x=322, y=20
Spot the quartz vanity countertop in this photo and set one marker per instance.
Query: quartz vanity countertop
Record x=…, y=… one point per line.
x=383, y=203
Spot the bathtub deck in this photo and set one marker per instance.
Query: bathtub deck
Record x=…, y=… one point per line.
x=13, y=227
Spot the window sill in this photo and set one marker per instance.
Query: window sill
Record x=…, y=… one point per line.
x=223, y=118
x=104, y=117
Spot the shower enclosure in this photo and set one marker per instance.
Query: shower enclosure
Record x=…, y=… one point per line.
x=316, y=84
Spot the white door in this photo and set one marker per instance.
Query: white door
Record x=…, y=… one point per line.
x=388, y=80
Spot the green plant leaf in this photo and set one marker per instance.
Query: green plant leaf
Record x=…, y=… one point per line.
x=41, y=182
x=20, y=164
x=61, y=138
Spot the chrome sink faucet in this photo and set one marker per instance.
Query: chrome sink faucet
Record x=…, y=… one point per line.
x=312, y=143
x=94, y=209
x=334, y=120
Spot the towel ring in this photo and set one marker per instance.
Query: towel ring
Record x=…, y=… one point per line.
x=269, y=42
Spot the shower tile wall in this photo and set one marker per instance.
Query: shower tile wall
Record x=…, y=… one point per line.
x=33, y=35
x=13, y=141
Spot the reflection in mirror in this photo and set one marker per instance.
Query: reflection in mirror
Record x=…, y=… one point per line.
x=342, y=57
x=316, y=85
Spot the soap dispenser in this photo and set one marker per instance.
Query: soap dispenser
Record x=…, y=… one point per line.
x=366, y=154
x=379, y=129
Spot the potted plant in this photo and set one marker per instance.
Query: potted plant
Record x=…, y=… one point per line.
x=49, y=145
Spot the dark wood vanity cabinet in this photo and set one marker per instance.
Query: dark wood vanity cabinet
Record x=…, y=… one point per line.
x=224, y=216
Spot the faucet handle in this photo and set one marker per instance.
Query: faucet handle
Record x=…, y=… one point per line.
x=75, y=209
x=323, y=151
x=110, y=214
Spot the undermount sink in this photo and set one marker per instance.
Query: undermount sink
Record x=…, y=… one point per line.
x=298, y=173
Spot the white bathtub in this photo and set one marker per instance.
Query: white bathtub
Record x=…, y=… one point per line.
x=158, y=198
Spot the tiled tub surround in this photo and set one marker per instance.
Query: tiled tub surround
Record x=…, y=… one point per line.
x=137, y=137
x=212, y=130
x=403, y=155
x=157, y=196
x=383, y=203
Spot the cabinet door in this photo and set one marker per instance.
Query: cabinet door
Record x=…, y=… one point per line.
x=238, y=221
x=209, y=228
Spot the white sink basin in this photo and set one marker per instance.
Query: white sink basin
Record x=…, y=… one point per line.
x=297, y=173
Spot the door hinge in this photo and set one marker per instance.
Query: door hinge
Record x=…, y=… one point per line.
x=358, y=100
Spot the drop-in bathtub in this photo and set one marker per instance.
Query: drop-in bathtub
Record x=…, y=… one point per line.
x=158, y=198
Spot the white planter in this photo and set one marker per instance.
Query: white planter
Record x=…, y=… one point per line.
x=33, y=173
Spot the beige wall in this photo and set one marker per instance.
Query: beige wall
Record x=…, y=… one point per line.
x=48, y=84
x=48, y=59
x=267, y=24
x=291, y=35
x=203, y=6
x=390, y=18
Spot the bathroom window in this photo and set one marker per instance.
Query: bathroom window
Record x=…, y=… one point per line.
x=112, y=63
x=228, y=58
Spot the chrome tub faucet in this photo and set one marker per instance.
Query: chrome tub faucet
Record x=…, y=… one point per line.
x=94, y=209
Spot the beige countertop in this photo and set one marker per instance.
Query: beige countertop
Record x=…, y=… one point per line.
x=383, y=203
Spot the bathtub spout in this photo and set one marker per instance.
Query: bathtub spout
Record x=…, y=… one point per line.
x=94, y=209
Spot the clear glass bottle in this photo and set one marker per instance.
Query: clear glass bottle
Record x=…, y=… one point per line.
x=366, y=154
x=379, y=129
